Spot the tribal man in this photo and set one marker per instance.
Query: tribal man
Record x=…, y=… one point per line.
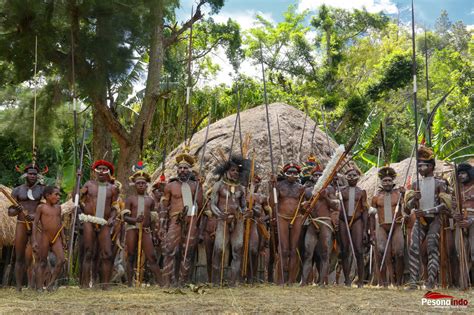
x=228, y=204
x=158, y=190
x=356, y=207
x=324, y=219
x=385, y=203
x=290, y=194
x=178, y=206
x=428, y=201
x=259, y=234
x=100, y=208
x=466, y=178
x=28, y=196
x=207, y=232
x=51, y=237
x=137, y=215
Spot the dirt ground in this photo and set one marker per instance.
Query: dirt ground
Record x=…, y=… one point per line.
x=241, y=300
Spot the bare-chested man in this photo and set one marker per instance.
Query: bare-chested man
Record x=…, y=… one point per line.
x=324, y=219
x=428, y=200
x=355, y=204
x=28, y=196
x=466, y=219
x=290, y=194
x=178, y=204
x=259, y=235
x=137, y=215
x=385, y=202
x=207, y=232
x=51, y=237
x=158, y=190
x=228, y=204
x=100, y=208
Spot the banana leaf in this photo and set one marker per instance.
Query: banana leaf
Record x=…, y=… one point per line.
x=438, y=132
x=395, y=153
x=462, y=153
x=369, y=132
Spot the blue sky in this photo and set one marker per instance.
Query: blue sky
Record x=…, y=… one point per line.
x=426, y=11
x=244, y=11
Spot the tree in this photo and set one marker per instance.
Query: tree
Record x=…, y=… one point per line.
x=111, y=40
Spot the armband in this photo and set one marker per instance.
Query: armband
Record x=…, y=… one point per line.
x=124, y=212
x=154, y=216
x=372, y=211
x=268, y=209
x=116, y=205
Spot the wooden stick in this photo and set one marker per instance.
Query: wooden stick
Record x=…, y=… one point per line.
x=16, y=204
x=139, y=255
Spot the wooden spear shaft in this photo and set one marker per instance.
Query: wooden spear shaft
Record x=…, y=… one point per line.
x=416, y=118
x=275, y=196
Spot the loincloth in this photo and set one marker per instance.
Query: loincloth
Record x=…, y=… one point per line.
x=129, y=227
x=56, y=236
x=286, y=217
x=26, y=223
x=326, y=221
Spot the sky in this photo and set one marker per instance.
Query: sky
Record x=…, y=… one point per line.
x=244, y=11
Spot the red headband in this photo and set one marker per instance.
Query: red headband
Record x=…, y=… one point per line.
x=291, y=165
x=105, y=163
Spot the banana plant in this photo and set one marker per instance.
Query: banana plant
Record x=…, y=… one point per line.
x=367, y=136
x=448, y=149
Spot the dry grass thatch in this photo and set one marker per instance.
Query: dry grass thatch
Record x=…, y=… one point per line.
x=253, y=122
x=7, y=224
x=370, y=179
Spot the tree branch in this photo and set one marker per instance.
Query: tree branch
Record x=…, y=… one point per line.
x=176, y=33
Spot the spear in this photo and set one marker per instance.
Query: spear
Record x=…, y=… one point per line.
x=464, y=280
x=397, y=209
x=248, y=222
x=312, y=137
x=190, y=80
x=275, y=198
x=77, y=189
x=302, y=134
x=279, y=140
x=239, y=93
x=73, y=91
x=237, y=121
x=415, y=106
x=201, y=165
x=427, y=81
x=323, y=116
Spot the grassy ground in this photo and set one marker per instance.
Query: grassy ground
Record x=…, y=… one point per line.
x=242, y=300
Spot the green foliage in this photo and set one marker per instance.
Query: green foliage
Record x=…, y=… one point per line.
x=397, y=73
x=354, y=65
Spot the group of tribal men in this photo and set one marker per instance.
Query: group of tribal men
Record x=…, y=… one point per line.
x=278, y=235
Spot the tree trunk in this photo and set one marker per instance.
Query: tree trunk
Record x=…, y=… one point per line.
x=102, y=141
x=130, y=145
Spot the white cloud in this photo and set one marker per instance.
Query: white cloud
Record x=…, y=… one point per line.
x=373, y=6
x=470, y=27
x=246, y=18
x=226, y=72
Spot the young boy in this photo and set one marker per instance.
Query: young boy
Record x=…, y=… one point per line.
x=137, y=211
x=48, y=221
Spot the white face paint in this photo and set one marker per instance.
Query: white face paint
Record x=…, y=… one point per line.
x=98, y=171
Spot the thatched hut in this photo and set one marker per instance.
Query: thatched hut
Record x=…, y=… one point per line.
x=370, y=181
x=7, y=224
x=253, y=122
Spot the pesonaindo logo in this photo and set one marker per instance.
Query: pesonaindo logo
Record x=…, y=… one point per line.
x=440, y=300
